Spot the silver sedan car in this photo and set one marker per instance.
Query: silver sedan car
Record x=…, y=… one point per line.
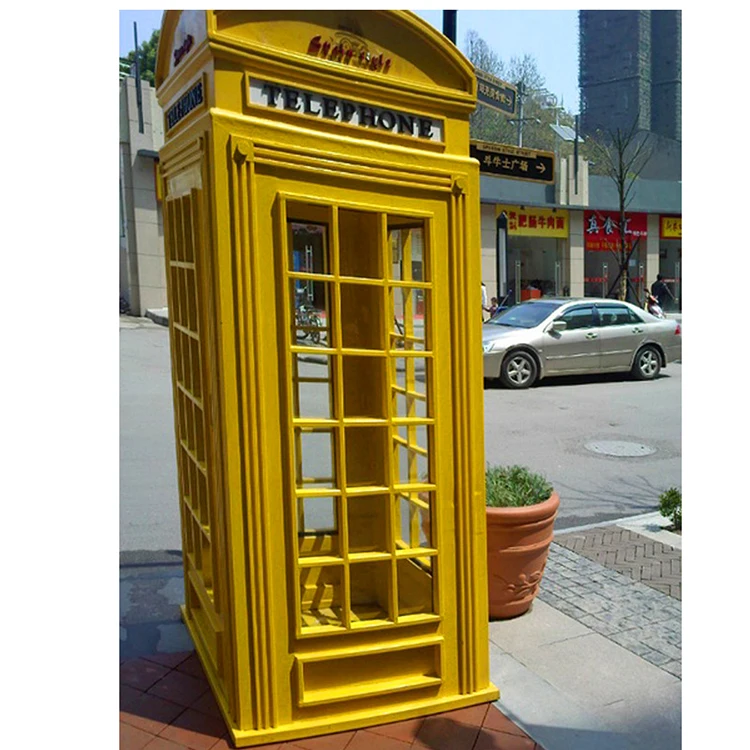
x=565, y=336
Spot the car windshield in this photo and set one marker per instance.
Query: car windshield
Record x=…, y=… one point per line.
x=525, y=315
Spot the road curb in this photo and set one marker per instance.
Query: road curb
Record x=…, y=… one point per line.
x=160, y=316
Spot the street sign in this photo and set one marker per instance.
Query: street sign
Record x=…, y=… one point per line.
x=516, y=163
x=494, y=93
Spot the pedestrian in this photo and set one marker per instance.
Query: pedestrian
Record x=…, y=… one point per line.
x=660, y=290
x=484, y=300
x=494, y=305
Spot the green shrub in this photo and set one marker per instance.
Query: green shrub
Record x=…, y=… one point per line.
x=514, y=487
x=670, y=506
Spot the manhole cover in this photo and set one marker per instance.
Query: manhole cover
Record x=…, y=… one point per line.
x=620, y=448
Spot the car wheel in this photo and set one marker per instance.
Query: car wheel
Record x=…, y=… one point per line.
x=647, y=363
x=518, y=370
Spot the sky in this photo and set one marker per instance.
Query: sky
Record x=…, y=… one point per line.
x=550, y=36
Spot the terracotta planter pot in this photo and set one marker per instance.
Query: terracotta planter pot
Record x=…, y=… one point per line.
x=518, y=541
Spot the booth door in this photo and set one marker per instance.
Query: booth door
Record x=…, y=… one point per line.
x=365, y=396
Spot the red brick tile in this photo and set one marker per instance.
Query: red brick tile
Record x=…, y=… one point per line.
x=128, y=695
x=473, y=716
x=141, y=674
x=336, y=741
x=406, y=730
x=179, y=688
x=192, y=666
x=489, y=740
x=439, y=733
x=207, y=704
x=169, y=660
x=150, y=713
x=132, y=738
x=195, y=730
x=367, y=740
x=226, y=744
x=159, y=743
x=499, y=722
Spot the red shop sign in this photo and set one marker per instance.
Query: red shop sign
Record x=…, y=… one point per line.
x=601, y=229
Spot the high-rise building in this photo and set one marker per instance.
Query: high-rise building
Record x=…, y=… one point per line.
x=630, y=69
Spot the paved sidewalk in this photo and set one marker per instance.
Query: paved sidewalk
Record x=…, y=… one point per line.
x=596, y=662
x=653, y=563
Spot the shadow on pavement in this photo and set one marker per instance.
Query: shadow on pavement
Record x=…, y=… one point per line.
x=562, y=380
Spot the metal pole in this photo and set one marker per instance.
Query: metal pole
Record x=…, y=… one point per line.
x=605, y=279
x=575, y=157
x=449, y=24
x=558, y=278
x=521, y=92
x=517, y=290
x=677, y=285
x=501, y=243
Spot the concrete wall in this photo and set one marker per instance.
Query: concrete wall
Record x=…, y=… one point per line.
x=142, y=272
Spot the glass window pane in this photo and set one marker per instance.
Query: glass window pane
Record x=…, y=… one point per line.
x=370, y=586
x=321, y=596
x=310, y=303
x=368, y=517
x=362, y=316
x=364, y=386
x=409, y=312
x=317, y=515
x=414, y=513
x=314, y=453
x=308, y=245
x=414, y=587
x=312, y=384
x=366, y=453
x=412, y=454
x=579, y=317
x=614, y=315
x=359, y=244
x=409, y=377
x=406, y=240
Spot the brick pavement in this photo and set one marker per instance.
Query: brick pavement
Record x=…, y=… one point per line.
x=653, y=563
x=590, y=577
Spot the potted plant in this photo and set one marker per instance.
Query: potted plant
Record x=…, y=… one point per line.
x=521, y=510
x=670, y=506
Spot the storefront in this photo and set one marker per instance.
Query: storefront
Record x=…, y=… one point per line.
x=670, y=257
x=602, y=245
x=536, y=248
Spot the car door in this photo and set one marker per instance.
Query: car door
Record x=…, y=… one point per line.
x=576, y=349
x=621, y=332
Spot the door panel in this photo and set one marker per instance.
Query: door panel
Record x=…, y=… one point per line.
x=358, y=338
x=575, y=349
x=620, y=334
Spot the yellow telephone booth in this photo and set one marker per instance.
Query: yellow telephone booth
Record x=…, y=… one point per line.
x=321, y=219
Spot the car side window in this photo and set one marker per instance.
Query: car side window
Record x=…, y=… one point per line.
x=578, y=317
x=616, y=315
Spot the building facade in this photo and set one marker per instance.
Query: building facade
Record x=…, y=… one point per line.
x=142, y=272
x=562, y=239
x=630, y=69
x=533, y=235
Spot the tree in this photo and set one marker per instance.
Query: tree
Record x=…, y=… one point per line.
x=146, y=58
x=495, y=127
x=622, y=154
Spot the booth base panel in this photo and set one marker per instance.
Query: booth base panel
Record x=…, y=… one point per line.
x=332, y=724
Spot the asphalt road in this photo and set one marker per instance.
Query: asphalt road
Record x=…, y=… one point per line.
x=546, y=428
x=553, y=427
